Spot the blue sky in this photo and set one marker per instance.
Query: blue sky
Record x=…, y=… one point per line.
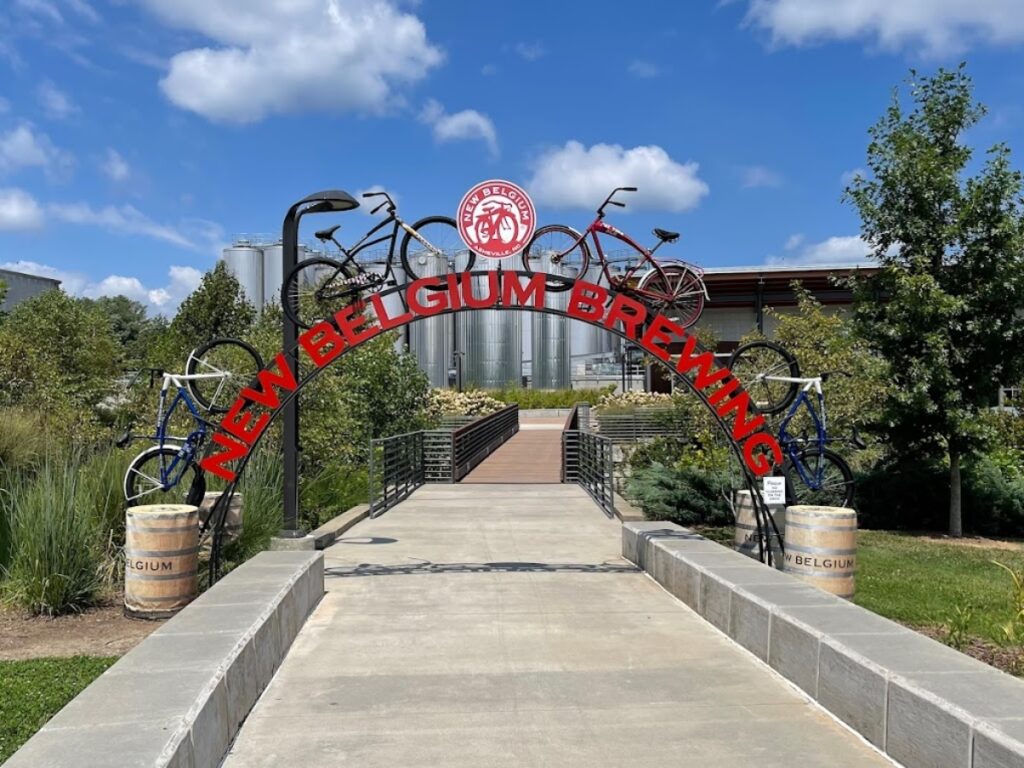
x=138, y=136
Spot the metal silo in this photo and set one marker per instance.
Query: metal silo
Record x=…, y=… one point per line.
x=393, y=304
x=490, y=339
x=245, y=261
x=273, y=273
x=430, y=338
x=552, y=364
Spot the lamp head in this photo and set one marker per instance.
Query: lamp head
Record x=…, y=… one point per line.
x=329, y=200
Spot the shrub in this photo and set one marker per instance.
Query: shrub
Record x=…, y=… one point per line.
x=58, y=561
x=331, y=491
x=262, y=490
x=474, y=402
x=549, y=398
x=683, y=495
x=23, y=441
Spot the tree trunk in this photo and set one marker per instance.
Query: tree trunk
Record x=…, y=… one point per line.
x=956, y=526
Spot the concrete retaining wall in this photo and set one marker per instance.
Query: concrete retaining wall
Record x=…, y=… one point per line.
x=924, y=704
x=179, y=697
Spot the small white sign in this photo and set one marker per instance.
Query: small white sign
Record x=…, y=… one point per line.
x=774, y=491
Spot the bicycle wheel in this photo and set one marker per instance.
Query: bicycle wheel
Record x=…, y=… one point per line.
x=159, y=475
x=835, y=488
x=676, y=292
x=755, y=364
x=560, y=246
x=317, y=288
x=442, y=246
x=228, y=366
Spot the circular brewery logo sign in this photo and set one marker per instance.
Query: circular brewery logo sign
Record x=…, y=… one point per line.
x=496, y=219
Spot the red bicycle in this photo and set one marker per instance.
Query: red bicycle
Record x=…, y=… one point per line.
x=497, y=221
x=674, y=288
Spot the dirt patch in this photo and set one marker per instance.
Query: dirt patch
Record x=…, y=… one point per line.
x=101, y=631
x=1007, y=659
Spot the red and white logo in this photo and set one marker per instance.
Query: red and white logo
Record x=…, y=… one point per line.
x=496, y=219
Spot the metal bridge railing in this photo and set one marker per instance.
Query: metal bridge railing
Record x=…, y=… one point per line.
x=396, y=469
x=636, y=424
x=474, y=442
x=587, y=459
x=402, y=463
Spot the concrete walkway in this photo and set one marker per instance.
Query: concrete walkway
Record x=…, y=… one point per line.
x=497, y=625
x=532, y=455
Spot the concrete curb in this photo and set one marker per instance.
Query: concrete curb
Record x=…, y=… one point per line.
x=179, y=697
x=625, y=511
x=325, y=535
x=917, y=700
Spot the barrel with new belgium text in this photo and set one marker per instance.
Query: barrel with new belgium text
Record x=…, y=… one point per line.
x=161, y=559
x=821, y=547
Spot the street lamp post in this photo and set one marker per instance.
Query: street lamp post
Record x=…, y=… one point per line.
x=328, y=201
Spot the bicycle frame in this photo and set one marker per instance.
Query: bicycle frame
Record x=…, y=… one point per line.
x=391, y=239
x=190, y=444
x=599, y=227
x=793, y=446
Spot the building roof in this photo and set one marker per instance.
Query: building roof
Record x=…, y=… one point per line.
x=30, y=276
x=772, y=284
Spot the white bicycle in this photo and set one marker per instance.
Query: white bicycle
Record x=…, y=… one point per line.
x=168, y=471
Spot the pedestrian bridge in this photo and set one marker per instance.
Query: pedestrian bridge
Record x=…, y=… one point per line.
x=499, y=625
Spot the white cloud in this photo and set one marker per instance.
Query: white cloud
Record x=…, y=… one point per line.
x=574, y=176
x=530, y=51
x=273, y=57
x=641, y=68
x=181, y=281
x=460, y=126
x=844, y=250
x=488, y=69
x=41, y=8
x=83, y=9
x=22, y=147
x=854, y=173
x=932, y=26
x=55, y=103
x=757, y=176
x=124, y=219
x=794, y=241
x=114, y=166
x=19, y=211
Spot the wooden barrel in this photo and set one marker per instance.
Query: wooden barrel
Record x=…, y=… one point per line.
x=821, y=547
x=746, y=525
x=161, y=553
x=233, y=519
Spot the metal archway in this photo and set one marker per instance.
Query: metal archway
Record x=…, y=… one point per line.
x=279, y=384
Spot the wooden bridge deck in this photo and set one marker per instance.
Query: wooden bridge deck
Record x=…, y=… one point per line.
x=532, y=455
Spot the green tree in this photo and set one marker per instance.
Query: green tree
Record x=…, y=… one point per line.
x=947, y=308
x=134, y=331
x=824, y=341
x=216, y=309
x=56, y=353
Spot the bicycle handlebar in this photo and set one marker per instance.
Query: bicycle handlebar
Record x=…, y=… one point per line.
x=608, y=200
x=388, y=201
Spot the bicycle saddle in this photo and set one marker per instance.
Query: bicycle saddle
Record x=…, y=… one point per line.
x=665, y=236
x=325, y=235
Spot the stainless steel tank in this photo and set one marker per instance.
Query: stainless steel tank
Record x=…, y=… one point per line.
x=273, y=273
x=245, y=262
x=491, y=339
x=393, y=305
x=550, y=347
x=430, y=338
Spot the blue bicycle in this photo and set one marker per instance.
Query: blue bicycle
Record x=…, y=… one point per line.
x=168, y=471
x=814, y=474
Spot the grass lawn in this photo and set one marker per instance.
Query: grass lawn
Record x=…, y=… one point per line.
x=919, y=581
x=31, y=692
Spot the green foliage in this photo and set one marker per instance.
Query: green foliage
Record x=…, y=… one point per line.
x=683, y=495
x=261, y=488
x=57, y=356
x=331, y=491
x=23, y=442
x=133, y=330
x=33, y=691
x=958, y=627
x=824, y=341
x=216, y=309
x=549, y=398
x=58, y=549
x=917, y=580
x=951, y=251
x=685, y=480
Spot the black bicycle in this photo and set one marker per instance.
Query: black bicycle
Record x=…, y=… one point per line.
x=319, y=287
